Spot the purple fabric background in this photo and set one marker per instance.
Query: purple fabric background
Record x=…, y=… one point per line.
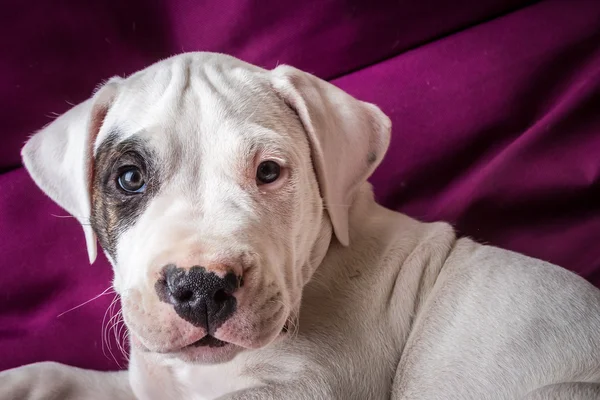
x=495, y=105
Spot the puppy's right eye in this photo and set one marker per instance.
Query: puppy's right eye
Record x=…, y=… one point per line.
x=267, y=172
x=131, y=180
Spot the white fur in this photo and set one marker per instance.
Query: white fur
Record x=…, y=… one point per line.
x=378, y=305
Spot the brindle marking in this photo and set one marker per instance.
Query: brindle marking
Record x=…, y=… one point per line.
x=114, y=210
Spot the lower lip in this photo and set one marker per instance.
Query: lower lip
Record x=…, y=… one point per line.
x=214, y=353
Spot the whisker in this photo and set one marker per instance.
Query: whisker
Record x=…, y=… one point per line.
x=121, y=336
x=106, y=335
x=113, y=321
x=104, y=292
x=120, y=328
x=62, y=216
x=295, y=322
x=103, y=329
x=86, y=219
x=292, y=318
x=106, y=328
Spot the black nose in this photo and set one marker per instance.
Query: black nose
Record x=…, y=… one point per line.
x=200, y=297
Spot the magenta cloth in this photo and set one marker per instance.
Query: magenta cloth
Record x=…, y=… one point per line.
x=495, y=106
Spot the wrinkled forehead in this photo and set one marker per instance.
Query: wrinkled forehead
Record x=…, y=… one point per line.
x=200, y=103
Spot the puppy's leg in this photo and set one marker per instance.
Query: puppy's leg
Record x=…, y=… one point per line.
x=54, y=381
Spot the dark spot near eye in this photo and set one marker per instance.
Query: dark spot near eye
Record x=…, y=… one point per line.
x=371, y=158
x=233, y=205
x=113, y=211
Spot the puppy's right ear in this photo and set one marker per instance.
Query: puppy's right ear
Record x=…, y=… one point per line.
x=59, y=157
x=348, y=138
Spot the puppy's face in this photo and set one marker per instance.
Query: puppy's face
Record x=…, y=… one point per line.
x=202, y=178
x=205, y=199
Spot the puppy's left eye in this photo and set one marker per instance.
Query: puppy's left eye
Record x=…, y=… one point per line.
x=267, y=172
x=131, y=180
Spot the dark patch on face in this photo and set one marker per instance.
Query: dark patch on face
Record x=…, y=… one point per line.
x=371, y=158
x=198, y=296
x=114, y=210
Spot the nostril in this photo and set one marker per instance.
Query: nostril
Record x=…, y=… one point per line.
x=221, y=296
x=183, y=296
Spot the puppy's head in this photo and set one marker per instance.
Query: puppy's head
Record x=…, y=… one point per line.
x=206, y=181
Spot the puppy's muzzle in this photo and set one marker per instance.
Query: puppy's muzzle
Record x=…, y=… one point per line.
x=198, y=296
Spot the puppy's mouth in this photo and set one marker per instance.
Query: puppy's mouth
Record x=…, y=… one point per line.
x=211, y=341
x=208, y=341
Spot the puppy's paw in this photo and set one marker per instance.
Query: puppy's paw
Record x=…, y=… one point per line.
x=45, y=380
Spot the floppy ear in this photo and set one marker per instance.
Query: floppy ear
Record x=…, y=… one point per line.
x=59, y=158
x=348, y=138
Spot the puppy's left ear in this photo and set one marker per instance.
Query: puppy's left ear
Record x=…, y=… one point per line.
x=59, y=157
x=348, y=138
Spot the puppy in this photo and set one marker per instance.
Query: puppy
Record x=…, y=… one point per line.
x=253, y=262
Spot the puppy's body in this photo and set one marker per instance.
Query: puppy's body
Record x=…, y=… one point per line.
x=437, y=316
x=377, y=305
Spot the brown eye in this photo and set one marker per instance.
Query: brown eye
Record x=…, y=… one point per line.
x=131, y=180
x=267, y=172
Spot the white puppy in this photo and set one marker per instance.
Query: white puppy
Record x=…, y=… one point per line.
x=253, y=263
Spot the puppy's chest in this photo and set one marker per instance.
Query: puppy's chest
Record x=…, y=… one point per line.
x=353, y=372
x=212, y=382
